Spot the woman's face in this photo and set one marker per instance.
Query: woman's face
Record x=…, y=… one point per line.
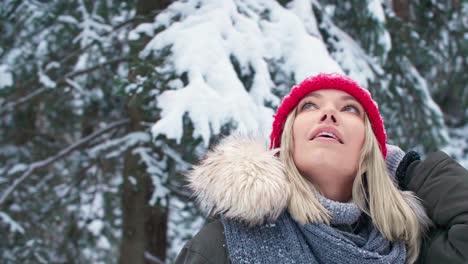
x=328, y=134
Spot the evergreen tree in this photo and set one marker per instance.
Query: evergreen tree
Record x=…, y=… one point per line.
x=105, y=104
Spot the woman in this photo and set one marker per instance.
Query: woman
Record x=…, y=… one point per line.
x=322, y=194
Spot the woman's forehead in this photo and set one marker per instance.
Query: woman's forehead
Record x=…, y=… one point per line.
x=325, y=93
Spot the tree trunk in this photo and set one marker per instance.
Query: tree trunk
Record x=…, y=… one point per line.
x=24, y=118
x=402, y=9
x=132, y=247
x=144, y=234
x=155, y=229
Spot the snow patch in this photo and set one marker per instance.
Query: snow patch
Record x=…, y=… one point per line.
x=250, y=34
x=45, y=80
x=145, y=28
x=14, y=226
x=6, y=78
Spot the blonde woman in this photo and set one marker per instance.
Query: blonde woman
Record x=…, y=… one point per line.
x=321, y=194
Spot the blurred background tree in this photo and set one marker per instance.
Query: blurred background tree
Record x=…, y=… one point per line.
x=105, y=104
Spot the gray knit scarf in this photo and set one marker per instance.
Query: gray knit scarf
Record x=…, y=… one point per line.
x=285, y=241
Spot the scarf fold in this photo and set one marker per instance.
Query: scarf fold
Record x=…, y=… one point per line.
x=285, y=241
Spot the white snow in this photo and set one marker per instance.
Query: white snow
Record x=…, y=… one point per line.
x=132, y=180
x=104, y=243
x=215, y=95
x=96, y=226
x=6, y=78
x=14, y=226
x=92, y=26
x=182, y=224
x=115, y=147
x=81, y=62
x=432, y=107
x=68, y=19
x=41, y=49
x=358, y=65
x=45, y=80
x=156, y=170
x=303, y=10
x=52, y=65
x=144, y=28
x=91, y=208
x=137, y=86
x=457, y=145
x=376, y=10
x=17, y=168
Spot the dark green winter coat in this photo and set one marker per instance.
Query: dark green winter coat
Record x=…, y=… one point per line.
x=441, y=184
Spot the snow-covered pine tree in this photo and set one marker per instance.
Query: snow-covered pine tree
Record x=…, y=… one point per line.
x=439, y=41
x=70, y=141
x=105, y=104
x=384, y=38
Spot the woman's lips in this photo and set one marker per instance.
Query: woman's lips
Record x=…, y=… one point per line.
x=324, y=131
x=326, y=139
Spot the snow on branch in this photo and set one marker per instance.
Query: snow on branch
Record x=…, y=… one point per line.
x=95, y=67
x=14, y=226
x=82, y=50
x=113, y=148
x=152, y=258
x=154, y=168
x=6, y=78
x=92, y=26
x=60, y=155
x=221, y=44
x=12, y=105
x=66, y=79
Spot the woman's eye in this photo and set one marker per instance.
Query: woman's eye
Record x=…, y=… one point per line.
x=352, y=109
x=308, y=105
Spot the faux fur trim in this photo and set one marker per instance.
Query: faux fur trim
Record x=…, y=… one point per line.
x=241, y=179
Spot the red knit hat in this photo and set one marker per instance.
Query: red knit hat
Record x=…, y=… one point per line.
x=328, y=81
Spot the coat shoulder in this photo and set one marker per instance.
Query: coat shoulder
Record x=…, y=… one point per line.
x=207, y=246
x=442, y=184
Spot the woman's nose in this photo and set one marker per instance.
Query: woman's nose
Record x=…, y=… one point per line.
x=328, y=116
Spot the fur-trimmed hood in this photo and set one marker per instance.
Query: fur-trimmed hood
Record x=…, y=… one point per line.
x=242, y=179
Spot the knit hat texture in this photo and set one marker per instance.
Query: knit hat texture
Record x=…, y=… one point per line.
x=328, y=81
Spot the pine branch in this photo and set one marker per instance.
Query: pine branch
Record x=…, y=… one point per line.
x=182, y=193
x=12, y=105
x=60, y=155
x=93, y=68
x=79, y=51
x=61, y=201
x=152, y=258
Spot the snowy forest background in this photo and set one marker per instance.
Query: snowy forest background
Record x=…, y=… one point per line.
x=105, y=104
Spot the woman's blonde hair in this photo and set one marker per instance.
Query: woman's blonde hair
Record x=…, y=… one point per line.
x=398, y=215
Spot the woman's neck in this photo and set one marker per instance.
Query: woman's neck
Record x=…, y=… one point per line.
x=336, y=191
x=331, y=183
